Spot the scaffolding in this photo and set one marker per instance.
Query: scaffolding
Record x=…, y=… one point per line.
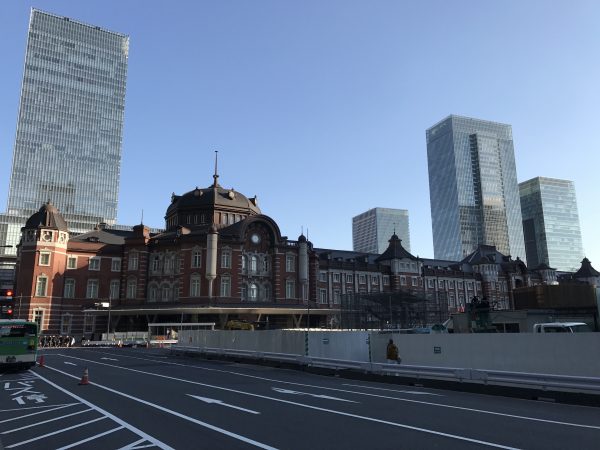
x=405, y=309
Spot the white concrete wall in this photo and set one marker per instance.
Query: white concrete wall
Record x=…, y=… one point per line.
x=560, y=354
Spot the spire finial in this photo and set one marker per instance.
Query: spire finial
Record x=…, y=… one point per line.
x=142, y=221
x=216, y=175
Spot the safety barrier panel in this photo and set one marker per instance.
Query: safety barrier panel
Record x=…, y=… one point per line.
x=456, y=374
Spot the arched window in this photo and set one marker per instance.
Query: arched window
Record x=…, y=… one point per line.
x=243, y=262
x=267, y=293
x=265, y=263
x=152, y=293
x=195, y=286
x=131, y=288
x=253, y=292
x=253, y=263
x=196, y=258
x=155, y=263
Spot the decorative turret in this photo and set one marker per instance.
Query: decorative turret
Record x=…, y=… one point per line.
x=46, y=226
x=587, y=273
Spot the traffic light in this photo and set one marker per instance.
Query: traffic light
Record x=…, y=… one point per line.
x=6, y=303
x=6, y=293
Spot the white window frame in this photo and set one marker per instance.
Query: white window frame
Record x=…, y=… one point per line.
x=114, y=289
x=44, y=255
x=41, y=286
x=323, y=296
x=253, y=292
x=115, y=265
x=323, y=277
x=66, y=323
x=414, y=281
x=133, y=260
x=362, y=279
x=195, y=285
x=349, y=278
x=402, y=280
x=74, y=260
x=290, y=263
x=336, y=277
x=38, y=317
x=196, y=258
x=69, y=288
x=226, y=258
x=336, y=296
x=290, y=289
x=94, y=263
x=386, y=280
x=131, y=291
x=225, y=286
x=89, y=323
x=92, y=288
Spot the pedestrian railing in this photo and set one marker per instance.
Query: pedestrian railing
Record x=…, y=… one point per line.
x=454, y=374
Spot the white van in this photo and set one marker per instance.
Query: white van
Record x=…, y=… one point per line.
x=561, y=327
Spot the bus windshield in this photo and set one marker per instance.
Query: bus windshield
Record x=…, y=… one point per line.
x=17, y=330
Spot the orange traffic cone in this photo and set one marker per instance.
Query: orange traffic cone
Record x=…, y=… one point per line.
x=85, y=377
x=41, y=361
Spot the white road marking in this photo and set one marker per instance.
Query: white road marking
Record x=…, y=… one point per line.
x=110, y=359
x=83, y=441
x=407, y=400
x=175, y=413
x=288, y=391
x=37, y=407
x=341, y=413
x=54, y=419
x=70, y=363
x=392, y=390
x=36, y=413
x=54, y=432
x=107, y=414
x=219, y=402
x=132, y=445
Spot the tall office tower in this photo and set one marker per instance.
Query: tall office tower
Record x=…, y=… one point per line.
x=473, y=188
x=69, y=130
x=372, y=229
x=551, y=223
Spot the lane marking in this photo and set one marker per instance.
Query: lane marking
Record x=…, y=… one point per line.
x=130, y=427
x=36, y=413
x=407, y=400
x=392, y=390
x=132, y=445
x=288, y=391
x=54, y=432
x=83, y=441
x=341, y=413
x=169, y=411
x=37, y=407
x=110, y=359
x=219, y=402
x=70, y=363
x=54, y=419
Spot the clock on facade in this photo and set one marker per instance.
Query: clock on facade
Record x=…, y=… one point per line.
x=255, y=238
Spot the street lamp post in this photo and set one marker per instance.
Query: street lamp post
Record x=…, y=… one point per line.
x=108, y=321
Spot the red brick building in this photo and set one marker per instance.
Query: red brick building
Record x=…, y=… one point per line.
x=220, y=258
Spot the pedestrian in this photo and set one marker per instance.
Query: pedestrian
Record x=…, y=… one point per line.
x=392, y=353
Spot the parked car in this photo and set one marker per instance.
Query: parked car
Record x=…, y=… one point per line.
x=238, y=324
x=561, y=327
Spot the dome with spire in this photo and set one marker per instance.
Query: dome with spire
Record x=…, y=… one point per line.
x=214, y=204
x=48, y=216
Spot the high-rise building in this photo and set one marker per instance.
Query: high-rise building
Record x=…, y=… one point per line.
x=551, y=223
x=69, y=130
x=372, y=230
x=473, y=188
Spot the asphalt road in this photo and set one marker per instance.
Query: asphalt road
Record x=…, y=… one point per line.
x=139, y=398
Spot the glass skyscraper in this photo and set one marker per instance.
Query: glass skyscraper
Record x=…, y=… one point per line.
x=372, y=229
x=551, y=223
x=473, y=188
x=69, y=130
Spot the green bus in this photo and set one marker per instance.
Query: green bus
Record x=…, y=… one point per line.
x=18, y=344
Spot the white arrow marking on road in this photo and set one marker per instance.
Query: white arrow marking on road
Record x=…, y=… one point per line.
x=219, y=402
x=328, y=397
x=110, y=359
x=70, y=363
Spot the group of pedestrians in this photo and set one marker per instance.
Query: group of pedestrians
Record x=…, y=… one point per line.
x=47, y=341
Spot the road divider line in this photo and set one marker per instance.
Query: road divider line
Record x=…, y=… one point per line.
x=392, y=390
x=83, y=441
x=132, y=445
x=36, y=413
x=303, y=405
x=130, y=427
x=37, y=407
x=169, y=411
x=54, y=419
x=54, y=433
x=219, y=402
x=407, y=400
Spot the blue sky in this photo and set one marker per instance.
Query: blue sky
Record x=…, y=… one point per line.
x=320, y=107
